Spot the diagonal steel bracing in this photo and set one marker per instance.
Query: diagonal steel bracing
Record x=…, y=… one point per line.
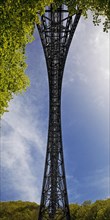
x=56, y=31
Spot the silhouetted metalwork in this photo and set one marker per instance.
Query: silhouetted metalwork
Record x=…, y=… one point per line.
x=56, y=31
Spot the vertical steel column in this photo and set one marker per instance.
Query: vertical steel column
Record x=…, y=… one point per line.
x=56, y=31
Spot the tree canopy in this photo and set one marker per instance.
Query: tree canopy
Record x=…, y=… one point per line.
x=17, y=24
x=98, y=8
x=100, y=210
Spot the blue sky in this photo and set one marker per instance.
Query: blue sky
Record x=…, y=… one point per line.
x=85, y=122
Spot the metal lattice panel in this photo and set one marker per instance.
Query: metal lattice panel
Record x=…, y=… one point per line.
x=56, y=31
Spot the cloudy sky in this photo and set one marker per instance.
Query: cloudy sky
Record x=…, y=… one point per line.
x=85, y=122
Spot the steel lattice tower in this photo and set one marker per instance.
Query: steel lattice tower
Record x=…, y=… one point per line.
x=56, y=31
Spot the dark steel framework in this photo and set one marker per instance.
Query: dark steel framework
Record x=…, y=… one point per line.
x=56, y=30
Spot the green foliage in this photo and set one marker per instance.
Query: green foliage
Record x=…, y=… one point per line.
x=100, y=210
x=98, y=7
x=18, y=210
x=87, y=202
x=73, y=210
x=17, y=23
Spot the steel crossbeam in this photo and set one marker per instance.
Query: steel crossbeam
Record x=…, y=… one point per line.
x=56, y=31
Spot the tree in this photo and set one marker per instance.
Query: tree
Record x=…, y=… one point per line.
x=98, y=8
x=100, y=210
x=17, y=23
x=73, y=210
x=15, y=210
x=87, y=202
x=18, y=210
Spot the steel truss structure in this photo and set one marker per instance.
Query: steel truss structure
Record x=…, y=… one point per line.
x=56, y=30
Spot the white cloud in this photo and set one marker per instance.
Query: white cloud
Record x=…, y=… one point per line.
x=86, y=74
x=21, y=134
x=88, y=58
x=24, y=133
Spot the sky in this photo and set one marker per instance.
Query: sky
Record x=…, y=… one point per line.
x=85, y=122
